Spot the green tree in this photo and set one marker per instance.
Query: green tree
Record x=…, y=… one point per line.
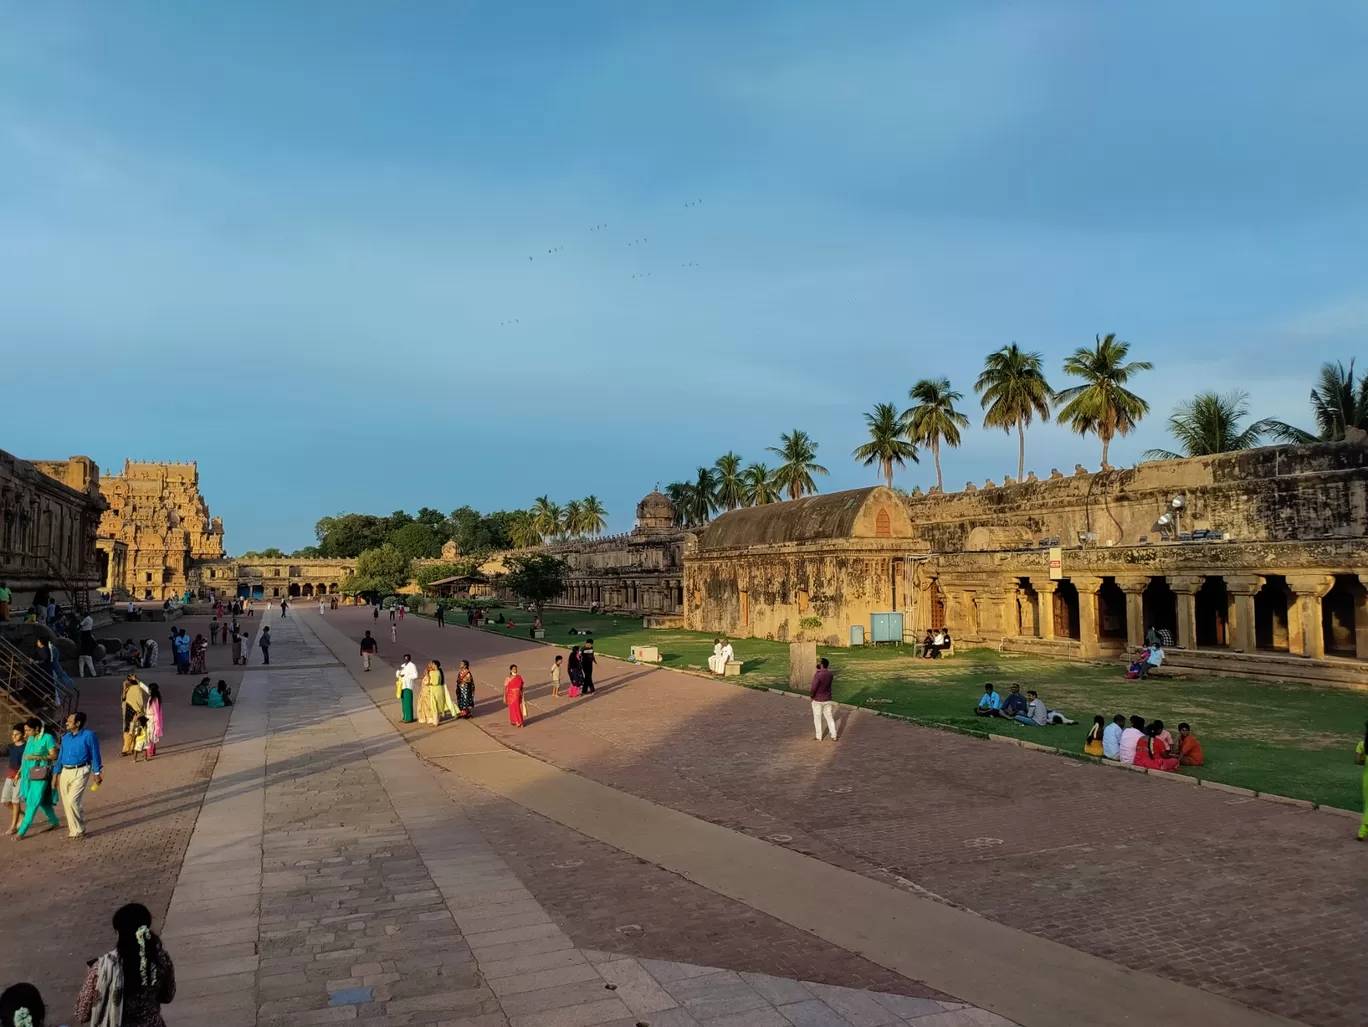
x=536, y=578
x=417, y=541
x=678, y=493
x=270, y=553
x=1210, y=423
x=731, y=490
x=307, y=553
x=1012, y=390
x=933, y=418
x=760, y=485
x=799, y=454
x=1102, y=405
x=595, y=515
x=694, y=501
x=548, y=515
x=1338, y=401
x=436, y=572
x=572, y=519
x=381, y=571
x=888, y=446
x=524, y=530
x=348, y=535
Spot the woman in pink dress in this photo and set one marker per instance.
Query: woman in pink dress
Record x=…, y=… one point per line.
x=154, y=718
x=513, y=696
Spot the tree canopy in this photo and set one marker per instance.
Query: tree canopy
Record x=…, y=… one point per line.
x=536, y=578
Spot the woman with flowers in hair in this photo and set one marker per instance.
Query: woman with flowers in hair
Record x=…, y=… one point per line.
x=22, y=1006
x=127, y=986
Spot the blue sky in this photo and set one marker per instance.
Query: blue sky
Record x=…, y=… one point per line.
x=282, y=239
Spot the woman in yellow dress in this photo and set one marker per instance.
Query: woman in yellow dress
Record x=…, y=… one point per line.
x=433, y=704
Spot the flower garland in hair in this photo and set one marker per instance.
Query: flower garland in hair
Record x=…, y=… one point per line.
x=22, y=1017
x=149, y=977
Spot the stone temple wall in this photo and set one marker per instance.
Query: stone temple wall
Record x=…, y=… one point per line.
x=1270, y=494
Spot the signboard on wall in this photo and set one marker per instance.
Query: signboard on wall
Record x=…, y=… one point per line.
x=1056, y=563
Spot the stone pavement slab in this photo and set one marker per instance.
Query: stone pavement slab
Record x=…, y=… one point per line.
x=1256, y=901
x=331, y=877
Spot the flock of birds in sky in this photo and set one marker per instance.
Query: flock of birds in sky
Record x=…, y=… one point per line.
x=633, y=243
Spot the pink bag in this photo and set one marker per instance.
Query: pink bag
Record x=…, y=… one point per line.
x=574, y=692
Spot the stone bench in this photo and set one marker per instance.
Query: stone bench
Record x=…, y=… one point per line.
x=732, y=669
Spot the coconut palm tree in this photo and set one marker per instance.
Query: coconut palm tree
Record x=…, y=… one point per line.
x=933, y=419
x=523, y=529
x=888, y=446
x=799, y=454
x=1210, y=423
x=1102, y=404
x=572, y=519
x=704, y=495
x=547, y=515
x=1337, y=402
x=731, y=490
x=760, y=485
x=1012, y=390
x=595, y=516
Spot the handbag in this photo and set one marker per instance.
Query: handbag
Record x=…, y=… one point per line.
x=522, y=708
x=39, y=773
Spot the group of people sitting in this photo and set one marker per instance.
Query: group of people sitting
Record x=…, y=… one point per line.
x=722, y=654
x=1150, y=656
x=936, y=643
x=1143, y=745
x=1024, y=709
x=215, y=698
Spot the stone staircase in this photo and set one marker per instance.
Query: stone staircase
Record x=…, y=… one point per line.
x=28, y=690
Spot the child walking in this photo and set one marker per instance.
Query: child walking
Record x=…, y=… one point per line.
x=555, y=677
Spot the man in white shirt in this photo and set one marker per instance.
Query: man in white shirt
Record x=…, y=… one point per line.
x=408, y=677
x=1111, y=738
x=1130, y=738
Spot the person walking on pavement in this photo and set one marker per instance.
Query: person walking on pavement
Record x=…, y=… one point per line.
x=587, y=665
x=822, y=706
x=244, y=647
x=78, y=761
x=408, y=677
x=135, y=695
x=375, y=613
x=39, y=751
x=368, y=648
x=265, y=644
x=441, y=615
x=283, y=606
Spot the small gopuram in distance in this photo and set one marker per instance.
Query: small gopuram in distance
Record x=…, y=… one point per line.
x=156, y=510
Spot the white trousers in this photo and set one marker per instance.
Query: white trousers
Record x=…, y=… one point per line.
x=819, y=710
x=72, y=787
x=86, y=661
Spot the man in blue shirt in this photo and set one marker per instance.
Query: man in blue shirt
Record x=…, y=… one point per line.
x=77, y=760
x=989, y=705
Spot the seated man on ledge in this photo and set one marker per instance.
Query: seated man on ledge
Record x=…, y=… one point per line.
x=1189, y=749
x=1036, y=715
x=989, y=704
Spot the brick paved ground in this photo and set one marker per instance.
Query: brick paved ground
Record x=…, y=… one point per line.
x=1263, y=903
x=331, y=878
x=139, y=822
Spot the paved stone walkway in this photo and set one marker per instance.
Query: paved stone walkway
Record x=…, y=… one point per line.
x=331, y=877
x=1263, y=903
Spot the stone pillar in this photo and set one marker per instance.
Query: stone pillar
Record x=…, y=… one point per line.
x=1185, y=593
x=1089, y=638
x=1026, y=623
x=1361, y=620
x=1135, y=609
x=1045, y=593
x=992, y=621
x=1009, y=622
x=1309, y=590
x=1240, y=632
x=953, y=599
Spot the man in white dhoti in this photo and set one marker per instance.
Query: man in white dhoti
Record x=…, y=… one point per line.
x=715, y=662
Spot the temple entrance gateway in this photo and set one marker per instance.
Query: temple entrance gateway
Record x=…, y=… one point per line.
x=1066, y=623
x=1111, y=610
x=1270, y=615
x=1213, y=613
x=1160, y=607
x=1338, y=611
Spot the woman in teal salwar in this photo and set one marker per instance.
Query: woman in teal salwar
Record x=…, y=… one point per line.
x=39, y=752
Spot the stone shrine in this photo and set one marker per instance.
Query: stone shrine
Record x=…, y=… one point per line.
x=157, y=511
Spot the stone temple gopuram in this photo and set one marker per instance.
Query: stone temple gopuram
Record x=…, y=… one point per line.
x=156, y=510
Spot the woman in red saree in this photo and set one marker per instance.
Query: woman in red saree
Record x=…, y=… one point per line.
x=1152, y=752
x=513, y=696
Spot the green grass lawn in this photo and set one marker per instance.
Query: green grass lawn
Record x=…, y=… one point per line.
x=1295, y=740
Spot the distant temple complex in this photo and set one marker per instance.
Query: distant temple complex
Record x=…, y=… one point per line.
x=157, y=512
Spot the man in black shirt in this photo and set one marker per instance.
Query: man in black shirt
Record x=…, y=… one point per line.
x=587, y=665
x=368, y=647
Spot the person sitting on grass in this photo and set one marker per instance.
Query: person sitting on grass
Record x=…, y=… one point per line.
x=1036, y=715
x=1111, y=738
x=1093, y=745
x=1014, y=705
x=989, y=704
x=1152, y=752
x=1130, y=738
x=1189, y=749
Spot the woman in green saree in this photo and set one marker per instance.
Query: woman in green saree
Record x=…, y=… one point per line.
x=39, y=752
